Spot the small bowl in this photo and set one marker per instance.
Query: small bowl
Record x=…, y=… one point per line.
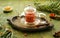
x=7, y=9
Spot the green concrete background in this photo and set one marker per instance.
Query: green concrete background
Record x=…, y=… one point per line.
x=18, y=6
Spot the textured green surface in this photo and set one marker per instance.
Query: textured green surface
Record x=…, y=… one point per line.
x=18, y=6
